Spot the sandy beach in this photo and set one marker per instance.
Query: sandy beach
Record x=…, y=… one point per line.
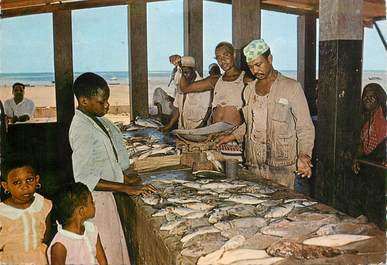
x=44, y=98
x=43, y=94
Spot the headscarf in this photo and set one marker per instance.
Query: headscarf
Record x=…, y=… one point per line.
x=254, y=49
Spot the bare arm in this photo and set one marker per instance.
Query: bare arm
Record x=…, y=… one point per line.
x=198, y=86
x=100, y=255
x=104, y=185
x=58, y=254
x=173, y=120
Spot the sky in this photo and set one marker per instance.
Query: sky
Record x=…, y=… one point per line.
x=100, y=38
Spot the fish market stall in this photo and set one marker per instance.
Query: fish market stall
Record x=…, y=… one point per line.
x=208, y=219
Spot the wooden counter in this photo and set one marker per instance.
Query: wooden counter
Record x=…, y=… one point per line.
x=150, y=246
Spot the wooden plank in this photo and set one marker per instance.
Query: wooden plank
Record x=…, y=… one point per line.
x=306, y=61
x=9, y=4
x=61, y=7
x=193, y=31
x=246, y=14
x=138, y=59
x=63, y=63
x=154, y=163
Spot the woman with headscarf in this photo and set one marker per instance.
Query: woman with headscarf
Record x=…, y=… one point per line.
x=374, y=126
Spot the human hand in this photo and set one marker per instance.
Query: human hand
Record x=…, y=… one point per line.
x=175, y=59
x=140, y=190
x=304, y=166
x=165, y=129
x=355, y=166
x=224, y=139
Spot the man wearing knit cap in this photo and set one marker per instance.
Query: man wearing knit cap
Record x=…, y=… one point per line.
x=278, y=130
x=192, y=109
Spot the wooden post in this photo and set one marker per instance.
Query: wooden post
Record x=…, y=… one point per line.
x=246, y=26
x=63, y=56
x=138, y=59
x=63, y=63
x=306, y=53
x=339, y=91
x=193, y=31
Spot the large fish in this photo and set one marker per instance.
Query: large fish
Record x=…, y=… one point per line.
x=148, y=122
x=302, y=251
x=241, y=223
x=199, y=231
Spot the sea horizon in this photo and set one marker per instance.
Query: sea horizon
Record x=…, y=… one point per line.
x=122, y=77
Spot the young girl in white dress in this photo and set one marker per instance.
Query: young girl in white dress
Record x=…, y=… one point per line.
x=77, y=240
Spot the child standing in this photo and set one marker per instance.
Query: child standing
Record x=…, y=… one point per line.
x=23, y=218
x=77, y=240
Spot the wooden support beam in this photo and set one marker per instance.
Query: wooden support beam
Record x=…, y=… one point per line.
x=63, y=63
x=246, y=26
x=63, y=56
x=138, y=59
x=306, y=61
x=339, y=93
x=59, y=6
x=193, y=31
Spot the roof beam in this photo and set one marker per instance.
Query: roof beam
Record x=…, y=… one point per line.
x=54, y=7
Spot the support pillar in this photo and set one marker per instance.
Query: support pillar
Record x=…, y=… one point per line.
x=306, y=61
x=63, y=64
x=138, y=59
x=193, y=31
x=246, y=26
x=339, y=92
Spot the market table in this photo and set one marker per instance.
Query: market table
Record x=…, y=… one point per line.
x=148, y=245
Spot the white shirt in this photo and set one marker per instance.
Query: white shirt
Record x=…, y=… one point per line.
x=26, y=106
x=93, y=156
x=195, y=106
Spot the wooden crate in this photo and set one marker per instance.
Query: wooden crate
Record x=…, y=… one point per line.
x=156, y=162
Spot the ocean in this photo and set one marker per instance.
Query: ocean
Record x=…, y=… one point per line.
x=121, y=77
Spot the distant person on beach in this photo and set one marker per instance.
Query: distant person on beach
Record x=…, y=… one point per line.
x=228, y=87
x=164, y=104
x=19, y=108
x=373, y=133
x=278, y=131
x=101, y=162
x=191, y=109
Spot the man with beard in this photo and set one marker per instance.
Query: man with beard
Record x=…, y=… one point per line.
x=192, y=109
x=19, y=108
x=278, y=130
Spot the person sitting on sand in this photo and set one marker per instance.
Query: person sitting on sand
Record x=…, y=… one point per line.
x=191, y=110
x=19, y=108
x=228, y=87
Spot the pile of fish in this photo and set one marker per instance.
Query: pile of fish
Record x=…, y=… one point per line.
x=220, y=221
x=139, y=124
x=141, y=147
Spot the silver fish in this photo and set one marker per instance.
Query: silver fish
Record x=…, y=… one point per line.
x=182, y=200
x=241, y=223
x=245, y=199
x=170, y=225
x=199, y=206
x=152, y=199
x=150, y=123
x=279, y=211
x=199, y=231
x=182, y=211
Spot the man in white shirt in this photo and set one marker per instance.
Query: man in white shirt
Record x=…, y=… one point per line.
x=19, y=108
x=191, y=109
